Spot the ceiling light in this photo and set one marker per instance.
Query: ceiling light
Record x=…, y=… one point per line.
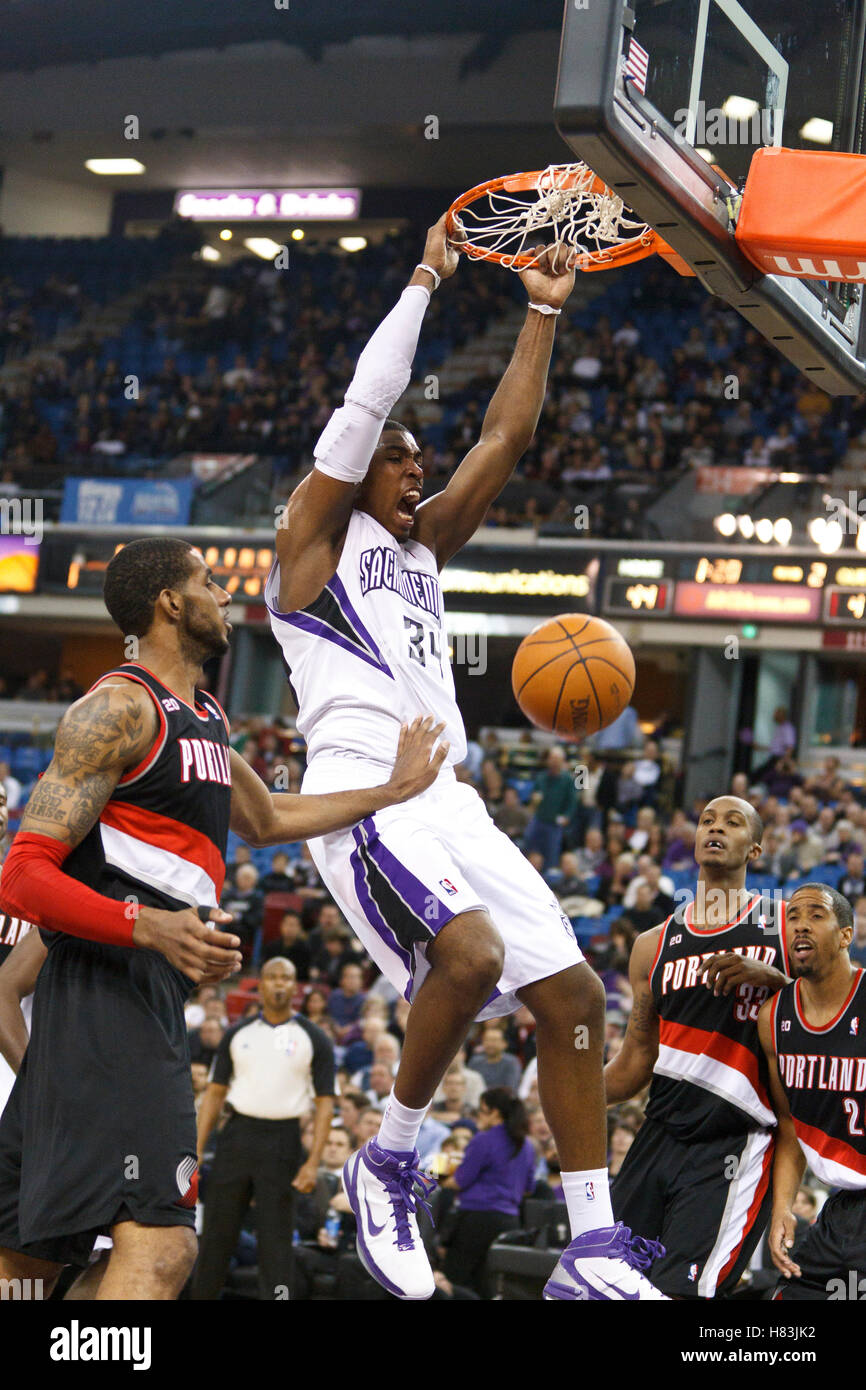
x=740, y=108
x=297, y=234
x=226, y=234
x=114, y=166
x=816, y=528
x=819, y=131
x=263, y=246
x=764, y=530
x=783, y=531
x=210, y=253
x=747, y=526
x=352, y=243
x=726, y=524
x=861, y=536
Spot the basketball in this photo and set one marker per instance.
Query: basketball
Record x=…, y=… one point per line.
x=573, y=675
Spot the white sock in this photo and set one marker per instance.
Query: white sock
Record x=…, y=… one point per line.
x=400, y=1126
x=587, y=1196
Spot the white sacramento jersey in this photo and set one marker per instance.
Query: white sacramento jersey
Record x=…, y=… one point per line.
x=371, y=652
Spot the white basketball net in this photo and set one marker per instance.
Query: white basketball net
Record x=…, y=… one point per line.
x=562, y=210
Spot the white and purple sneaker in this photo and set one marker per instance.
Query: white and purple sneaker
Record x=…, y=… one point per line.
x=384, y=1191
x=606, y=1265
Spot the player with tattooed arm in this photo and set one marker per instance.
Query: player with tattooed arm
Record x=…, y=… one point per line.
x=120, y=860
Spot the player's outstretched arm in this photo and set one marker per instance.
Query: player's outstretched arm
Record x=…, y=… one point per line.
x=100, y=736
x=274, y=818
x=18, y=979
x=632, y=1067
x=447, y=521
x=312, y=528
x=789, y=1162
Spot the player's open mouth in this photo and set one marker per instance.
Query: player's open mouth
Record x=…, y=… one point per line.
x=407, y=504
x=802, y=949
x=714, y=844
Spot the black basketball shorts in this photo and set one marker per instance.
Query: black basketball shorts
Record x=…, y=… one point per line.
x=706, y=1202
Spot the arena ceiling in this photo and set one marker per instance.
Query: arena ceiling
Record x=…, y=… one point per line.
x=40, y=33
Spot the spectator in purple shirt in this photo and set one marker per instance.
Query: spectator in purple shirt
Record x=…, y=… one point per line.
x=345, y=1004
x=497, y=1172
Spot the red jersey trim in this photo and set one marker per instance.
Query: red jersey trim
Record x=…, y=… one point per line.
x=751, y=1215
x=715, y=931
x=198, y=710
x=836, y=1150
x=662, y=936
x=170, y=835
x=833, y=1021
x=715, y=1046
x=162, y=733
x=774, y=1012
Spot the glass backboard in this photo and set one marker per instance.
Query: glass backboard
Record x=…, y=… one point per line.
x=667, y=100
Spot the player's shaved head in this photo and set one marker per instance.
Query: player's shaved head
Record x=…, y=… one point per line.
x=756, y=825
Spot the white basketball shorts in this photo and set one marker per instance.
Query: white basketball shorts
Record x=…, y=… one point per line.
x=401, y=874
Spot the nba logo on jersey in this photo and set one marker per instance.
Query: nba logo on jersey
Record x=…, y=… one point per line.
x=590, y=1192
x=855, y=1027
x=693, y=1273
x=448, y=886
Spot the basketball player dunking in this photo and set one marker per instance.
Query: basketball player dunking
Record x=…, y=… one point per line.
x=121, y=857
x=445, y=904
x=814, y=1037
x=697, y=1175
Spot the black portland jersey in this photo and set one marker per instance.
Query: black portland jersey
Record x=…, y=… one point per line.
x=161, y=838
x=823, y=1075
x=710, y=1078
x=11, y=931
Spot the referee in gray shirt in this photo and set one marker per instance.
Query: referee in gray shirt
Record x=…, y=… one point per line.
x=270, y=1070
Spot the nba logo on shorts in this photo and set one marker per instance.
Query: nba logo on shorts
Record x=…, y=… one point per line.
x=855, y=1027
x=693, y=1273
x=448, y=886
x=590, y=1192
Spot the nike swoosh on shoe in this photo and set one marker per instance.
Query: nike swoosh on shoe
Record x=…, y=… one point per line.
x=371, y=1225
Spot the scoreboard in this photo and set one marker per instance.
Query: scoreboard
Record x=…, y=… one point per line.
x=648, y=580
x=748, y=587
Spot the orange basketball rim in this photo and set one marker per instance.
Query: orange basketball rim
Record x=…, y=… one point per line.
x=507, y=219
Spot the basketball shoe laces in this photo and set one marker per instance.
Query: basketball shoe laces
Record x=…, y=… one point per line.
x=408, y=1188
x=637, y=1251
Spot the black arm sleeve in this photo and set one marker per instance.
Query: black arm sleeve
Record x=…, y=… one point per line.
x=222, y=1068
x=324, y=1061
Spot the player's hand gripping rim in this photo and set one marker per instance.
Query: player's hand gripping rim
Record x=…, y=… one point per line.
x=414, y=767
x=190, y=943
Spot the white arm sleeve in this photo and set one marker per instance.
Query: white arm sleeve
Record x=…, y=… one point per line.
x=346, y=444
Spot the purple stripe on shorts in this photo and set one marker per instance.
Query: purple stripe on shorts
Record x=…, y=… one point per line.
x=371, y=911
x=415, y=894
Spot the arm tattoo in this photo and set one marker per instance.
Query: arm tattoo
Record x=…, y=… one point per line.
x=643, y=1014
x=96, y=740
